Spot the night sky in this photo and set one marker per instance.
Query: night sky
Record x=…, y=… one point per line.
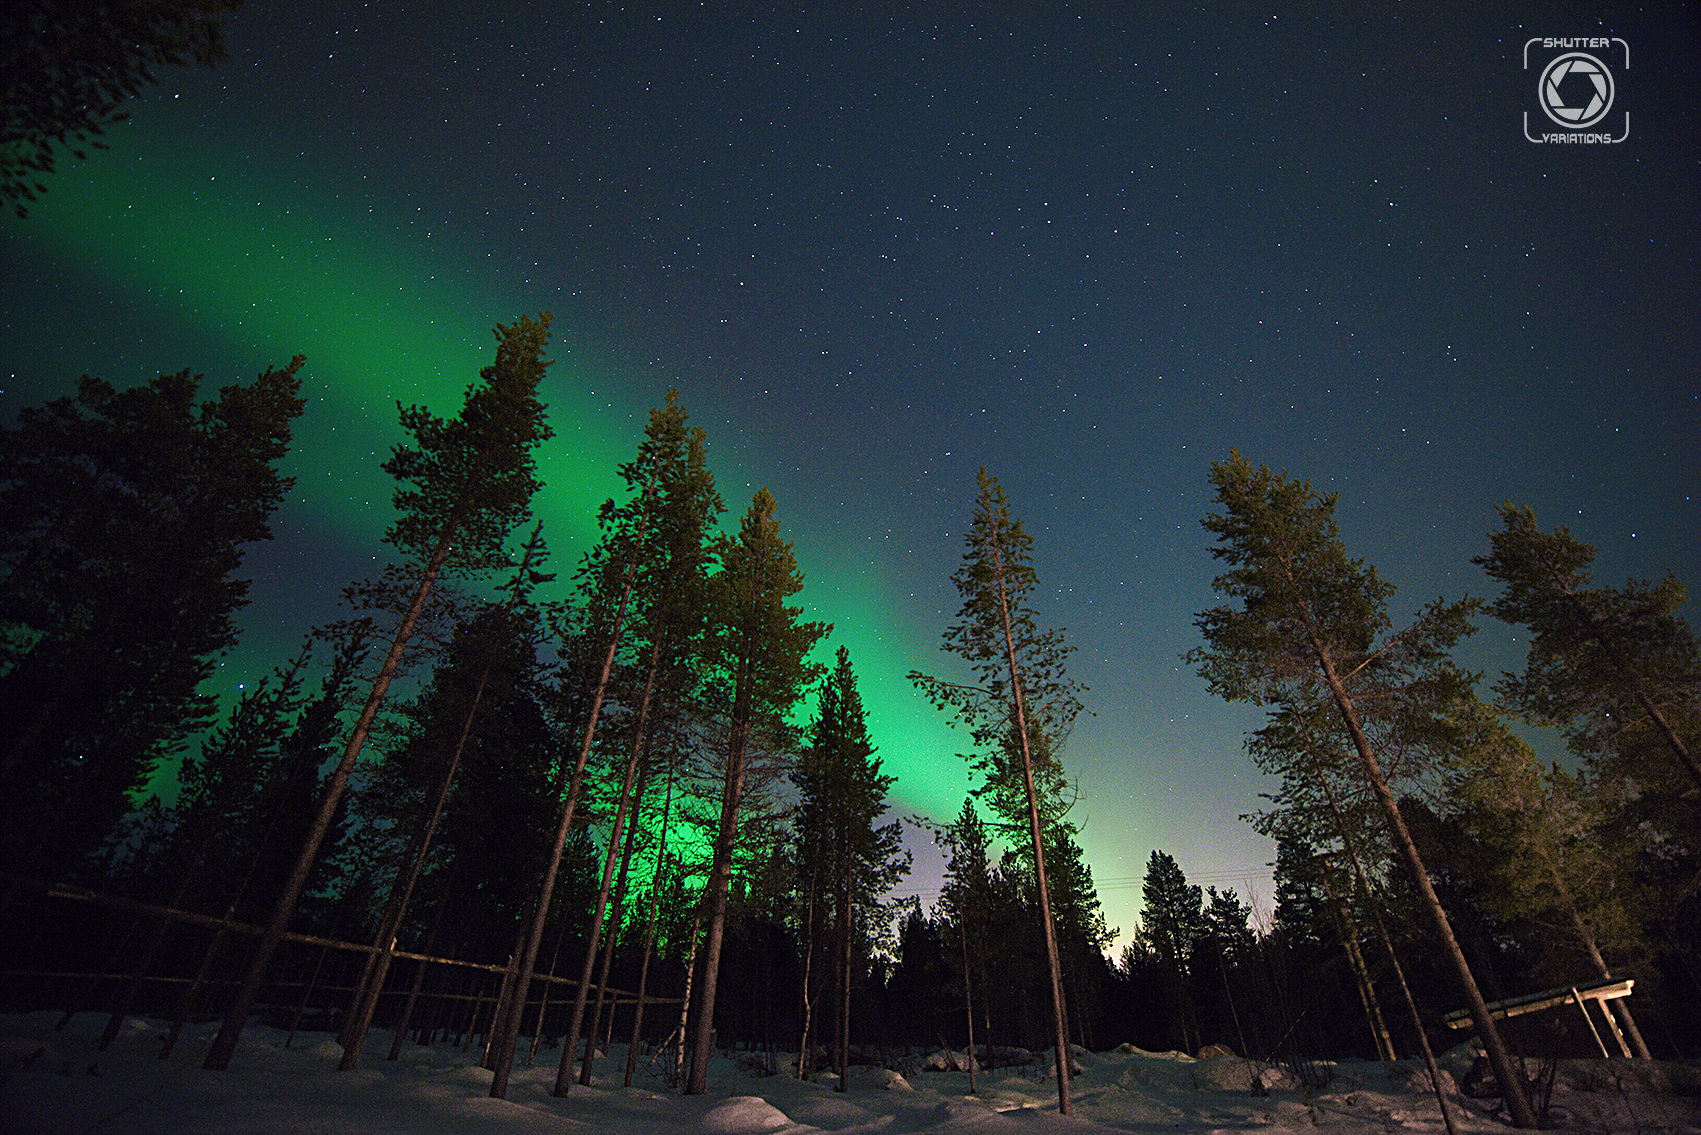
x=878, y=248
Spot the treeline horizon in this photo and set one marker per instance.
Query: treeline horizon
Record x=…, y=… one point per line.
x=648, y=784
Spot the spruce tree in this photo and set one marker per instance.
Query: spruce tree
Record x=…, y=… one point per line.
x=464, y=484
x=841, y=797
x=1173, y=922
x=1306, y=629
x=1020, y=706
x=758, y=649
x=967, y=899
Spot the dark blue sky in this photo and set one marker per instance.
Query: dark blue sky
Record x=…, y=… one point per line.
x=878, y=248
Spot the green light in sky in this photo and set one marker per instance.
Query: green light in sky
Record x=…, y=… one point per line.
x=387, y=314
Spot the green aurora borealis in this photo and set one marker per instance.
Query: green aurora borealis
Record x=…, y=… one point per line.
x=383, y=317
x=876, y=250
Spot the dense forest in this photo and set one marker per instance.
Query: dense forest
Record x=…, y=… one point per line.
x=538, y=805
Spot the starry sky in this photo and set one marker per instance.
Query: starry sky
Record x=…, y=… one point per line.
x=876, y=247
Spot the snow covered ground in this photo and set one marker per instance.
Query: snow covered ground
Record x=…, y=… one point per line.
x=58, y=1083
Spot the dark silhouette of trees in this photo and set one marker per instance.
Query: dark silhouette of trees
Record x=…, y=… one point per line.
x=66, y=66
x=849, y=860
x=465, y=484
x=124, y=516
x=757, y=649
x=1173, y=922
x=483, y=712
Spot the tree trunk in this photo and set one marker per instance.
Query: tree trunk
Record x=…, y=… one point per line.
x=844, y=966
x=570, y=1043
x=613, y=937
x=685, y=999
x=1511, y=1080
x=418, y=982
x=1059, y=1034
x=968, y=1001
x=720, y=880
x=224, y=1044
x=1361, y=971
x=505, y=1032
x=377, y=969
x=650, y=929
x=803, y=1060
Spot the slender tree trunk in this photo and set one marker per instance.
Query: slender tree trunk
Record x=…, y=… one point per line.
x=506, y=1031
x=1228, y=992
x=543, y=1000
x=570, y=1044
x=377, y=968
x=685, y=1000
x=224, y=1044
x=1059, y=1035
x=803, y=1060
x=1636, y=1041
x=1363, y=881
x=720, y=879
x=613, y=938
x=1361, y=971
x=845, y=931
x=192, y=991
x=968, y=1000
x=1594, y=951
x=650, y=929
x=1505, y=1071
x=378, y=962
x=418, y=981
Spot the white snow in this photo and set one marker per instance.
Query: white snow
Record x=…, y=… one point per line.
x=56, y=1082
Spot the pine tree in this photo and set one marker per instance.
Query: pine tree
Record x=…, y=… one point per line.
x=124, y=517
x=1602, y=659
x=758, y=649
x=490, y=666
x=661, y=532
x=1305, y=632
x=1021, y=705
x=465, y=484
x=1546, y=853
x=967, y=899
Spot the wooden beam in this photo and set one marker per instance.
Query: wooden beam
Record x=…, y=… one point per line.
x=1604, y=990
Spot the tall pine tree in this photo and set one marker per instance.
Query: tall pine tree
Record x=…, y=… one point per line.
x=465, y=484
x=758, y=648
x=841, y=797
x=1021, y=705
x=1307, y=629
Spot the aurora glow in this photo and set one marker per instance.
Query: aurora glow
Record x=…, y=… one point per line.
x=221, y=252
x=877, y=251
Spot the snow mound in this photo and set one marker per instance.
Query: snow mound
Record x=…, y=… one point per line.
x=945, y=1060
x=1229, y=1073
x=742, y=1115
